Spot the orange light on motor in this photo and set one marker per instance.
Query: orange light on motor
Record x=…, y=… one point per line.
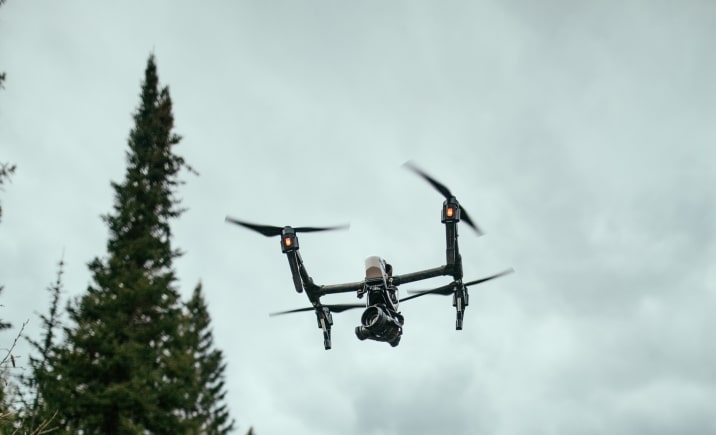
x=289, y=241
x=450, y=211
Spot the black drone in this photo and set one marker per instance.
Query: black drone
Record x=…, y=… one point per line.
x=381, y=320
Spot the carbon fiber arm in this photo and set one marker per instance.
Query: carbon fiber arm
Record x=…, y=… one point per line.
x=421, y=275
x=340, y=288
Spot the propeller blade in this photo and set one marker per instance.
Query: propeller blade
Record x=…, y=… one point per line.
x=445, y=192
x=335, y=308
x=297, y=310
x=497, y=275
x=466, y=218
x=443, y=290
x=435, y=183
x=270, y=231
x=448, y=289
x=266, y=230
x=339, y=308
x=315, y=229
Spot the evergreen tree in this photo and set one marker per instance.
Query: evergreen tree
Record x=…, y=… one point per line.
x=209, y=413
x=123, y=365
x=36, y=413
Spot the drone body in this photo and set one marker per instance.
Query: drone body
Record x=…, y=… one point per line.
x=381, y=319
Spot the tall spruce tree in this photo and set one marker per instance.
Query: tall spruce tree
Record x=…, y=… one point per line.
x=209, y=413
x=123, y=367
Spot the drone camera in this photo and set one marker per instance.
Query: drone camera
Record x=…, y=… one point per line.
x=378, y=324
x=451, y=211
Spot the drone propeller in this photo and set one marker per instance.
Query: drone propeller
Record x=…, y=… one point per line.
x=443, y=290
x=497, y=275
x=270, y=231
x=449, y=289
x=445, y=192
x=335, y=308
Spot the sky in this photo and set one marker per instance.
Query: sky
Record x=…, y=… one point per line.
x=578, y=135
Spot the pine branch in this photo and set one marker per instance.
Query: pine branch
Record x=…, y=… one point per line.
x=9, y=356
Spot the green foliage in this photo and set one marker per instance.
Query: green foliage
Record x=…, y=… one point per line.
x=8, y=390
x=36, y=413
x=7, y=416
x=209, y=413
x=130, y=361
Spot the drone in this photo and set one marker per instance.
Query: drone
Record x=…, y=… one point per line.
x=381, y=320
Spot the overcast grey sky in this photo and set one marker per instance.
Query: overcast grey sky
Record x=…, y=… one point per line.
x=578, y=135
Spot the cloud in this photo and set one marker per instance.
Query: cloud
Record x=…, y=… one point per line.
x=577, y=135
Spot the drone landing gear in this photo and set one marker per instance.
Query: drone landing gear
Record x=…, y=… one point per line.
x=325, y=321
x=327, y=339
x=460, y=300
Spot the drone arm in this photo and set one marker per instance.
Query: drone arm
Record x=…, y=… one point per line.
x=421, y=275
x=294, y=259
x=301, y=279
x=452, y=251
x=340, y=288
x=303, y=273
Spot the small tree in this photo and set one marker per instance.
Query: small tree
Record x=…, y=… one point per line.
x=208, y=413
x=36, y=412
